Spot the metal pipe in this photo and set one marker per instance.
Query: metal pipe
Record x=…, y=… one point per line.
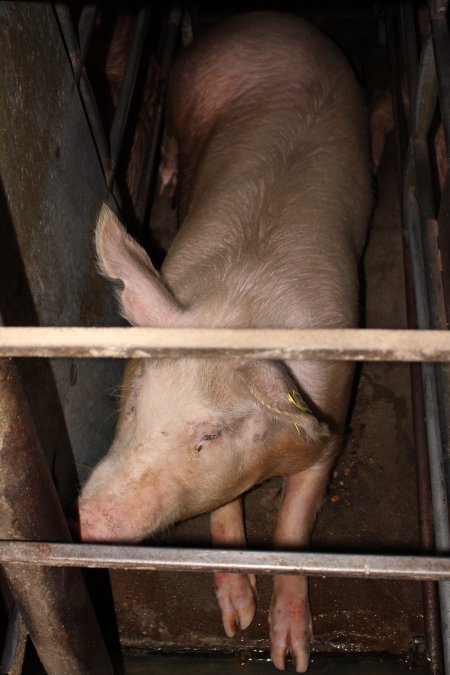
x=70, y=38
x=430, y=593
x=416, y=210
x=422, y=98
x=31, y=554
x=86, y=25
x=15, y=641
x=126, y=92
x=439, y=31
x=54, y=603
x=88, y=100
x=149, y=169
x=327, y=344
x=441, y=41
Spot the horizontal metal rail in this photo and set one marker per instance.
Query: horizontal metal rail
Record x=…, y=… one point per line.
x=333, y=344
x=216, y=560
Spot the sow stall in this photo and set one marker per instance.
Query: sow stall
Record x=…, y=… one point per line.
x=379, y=571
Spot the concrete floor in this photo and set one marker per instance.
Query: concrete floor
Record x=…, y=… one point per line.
x=163, y=665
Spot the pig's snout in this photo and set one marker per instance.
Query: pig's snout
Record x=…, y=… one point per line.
x=107, y=518
x=100, y=520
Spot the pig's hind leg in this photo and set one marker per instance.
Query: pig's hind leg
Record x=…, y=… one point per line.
x=235, y=592
x=290, y=615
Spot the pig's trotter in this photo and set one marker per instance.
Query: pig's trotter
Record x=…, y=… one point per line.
x=290, y=615
x=290, y=622
x=236, y=597
x=235, y=592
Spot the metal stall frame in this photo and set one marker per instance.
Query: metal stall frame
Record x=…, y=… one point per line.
x=430, y=346
x=109, y=149
x=427, y=270
x=428, y=267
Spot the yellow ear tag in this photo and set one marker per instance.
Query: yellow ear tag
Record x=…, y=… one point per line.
x=295, y=398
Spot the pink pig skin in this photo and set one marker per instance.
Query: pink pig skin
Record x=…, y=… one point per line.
x=274, y=176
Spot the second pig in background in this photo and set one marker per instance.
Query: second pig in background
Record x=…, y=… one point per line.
x=274, y=193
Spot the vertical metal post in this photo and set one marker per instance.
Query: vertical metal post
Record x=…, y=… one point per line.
x=54, y=603
x=171, y=35
x=417, y=208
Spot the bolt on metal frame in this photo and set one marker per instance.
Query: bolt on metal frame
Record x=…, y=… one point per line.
x=428, y=79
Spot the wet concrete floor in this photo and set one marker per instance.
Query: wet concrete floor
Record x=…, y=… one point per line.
x=163, y=665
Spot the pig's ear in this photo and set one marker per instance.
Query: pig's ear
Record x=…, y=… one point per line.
x=273, y=388
x=144, y=300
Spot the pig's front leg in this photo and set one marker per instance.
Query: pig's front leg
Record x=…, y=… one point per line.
x=235, y=592
x=290, y=615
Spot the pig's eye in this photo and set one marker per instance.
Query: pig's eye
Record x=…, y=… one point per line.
x=207, y=437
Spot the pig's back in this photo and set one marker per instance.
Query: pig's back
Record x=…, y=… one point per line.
x=262, y=58
x=274, y=172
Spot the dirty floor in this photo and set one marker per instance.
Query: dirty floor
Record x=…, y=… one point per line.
x=161, y=665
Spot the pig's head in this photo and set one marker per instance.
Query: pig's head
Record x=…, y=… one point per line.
x=192, y=434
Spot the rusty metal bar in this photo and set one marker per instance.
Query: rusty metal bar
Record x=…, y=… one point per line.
x=127, y=90
x=217, y=560
x=69, y=639
x=349, y=344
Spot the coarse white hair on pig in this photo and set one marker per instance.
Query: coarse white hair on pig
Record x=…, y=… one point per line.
x=275, y=196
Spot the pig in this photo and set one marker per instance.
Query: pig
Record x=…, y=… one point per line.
x=274, y=201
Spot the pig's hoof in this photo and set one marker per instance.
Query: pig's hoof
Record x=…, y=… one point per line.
x=236, y=597
x=290, y=623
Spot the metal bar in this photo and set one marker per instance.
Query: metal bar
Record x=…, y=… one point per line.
x=86, y=25
x=417, y=210
x=430, y=592
x=217, y=560
x=89, y=102
x=408, y=30
x=348, y=344
x=154, y=138
x=412, y=162
x=426, y=94
x=126, y=93
x=69, y=639
x=441, y=43
x=444, y=240
x=439, y=31
x=15, y=640
x=70, y=38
